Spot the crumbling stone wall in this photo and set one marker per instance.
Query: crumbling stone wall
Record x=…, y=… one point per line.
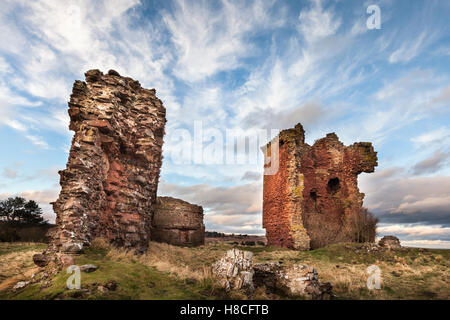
x=178, y=222
x=313, y=200
x=110, y=183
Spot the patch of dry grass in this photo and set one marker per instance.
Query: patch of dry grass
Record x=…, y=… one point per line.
x=405, y=274
x=182, y=262
x=18, y=264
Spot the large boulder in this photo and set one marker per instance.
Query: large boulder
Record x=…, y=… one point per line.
x=41, y=260
x=292, y=281
x=390, y=242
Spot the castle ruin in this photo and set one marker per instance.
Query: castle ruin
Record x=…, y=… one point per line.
x=313, y=199
x=110, y=184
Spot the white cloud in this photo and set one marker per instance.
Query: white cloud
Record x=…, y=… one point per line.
x=308, y=114
x=316, y=23
x=359, y=27
x=433, y=163
x=240, y=199
x=427, y=204
x=409, y=50
x=37, y=141
x=432, y=138
x=435, y=244
x=58, y=43
x=407, y=199
x=415, y=231
x=230, y=209
x=210, y=40
x=400, y=102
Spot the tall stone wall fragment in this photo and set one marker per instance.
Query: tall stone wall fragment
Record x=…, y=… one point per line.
x=110, y=183
x=178, y=222
x=313, y=199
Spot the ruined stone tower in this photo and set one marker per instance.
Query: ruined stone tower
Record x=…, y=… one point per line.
x=110, y=183
x=313, y=199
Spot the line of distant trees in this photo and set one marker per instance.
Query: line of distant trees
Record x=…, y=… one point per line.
x=22, y=220
x=21, y=211
x=215, y=234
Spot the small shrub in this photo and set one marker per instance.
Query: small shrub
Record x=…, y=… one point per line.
x=363, y=226
x=100, y=244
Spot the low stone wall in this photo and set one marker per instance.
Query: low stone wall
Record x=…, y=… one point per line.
x=178, y=222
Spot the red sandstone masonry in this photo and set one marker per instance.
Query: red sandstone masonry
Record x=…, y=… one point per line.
x=314, y=198
x=110, y=183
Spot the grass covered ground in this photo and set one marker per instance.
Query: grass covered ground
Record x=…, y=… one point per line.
x=169, y=272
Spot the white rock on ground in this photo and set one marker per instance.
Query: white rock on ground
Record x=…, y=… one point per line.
x=236, y=271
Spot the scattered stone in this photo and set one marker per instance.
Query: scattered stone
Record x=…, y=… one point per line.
x=370, y=247
x=102, y=289
x=72, y=247
x=297, y=280
x=46, y=284
x=111, y=285
x=88, y=268
x=178, y=222
x=66, y=260
x=20, y=285
x=311, y=199
x=390, y=242
x=235, y=270
x=41, y=260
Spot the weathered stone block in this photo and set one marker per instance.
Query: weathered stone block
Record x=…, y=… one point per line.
x=235, y=270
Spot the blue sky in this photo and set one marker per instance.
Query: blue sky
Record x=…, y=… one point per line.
x=245, y=65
